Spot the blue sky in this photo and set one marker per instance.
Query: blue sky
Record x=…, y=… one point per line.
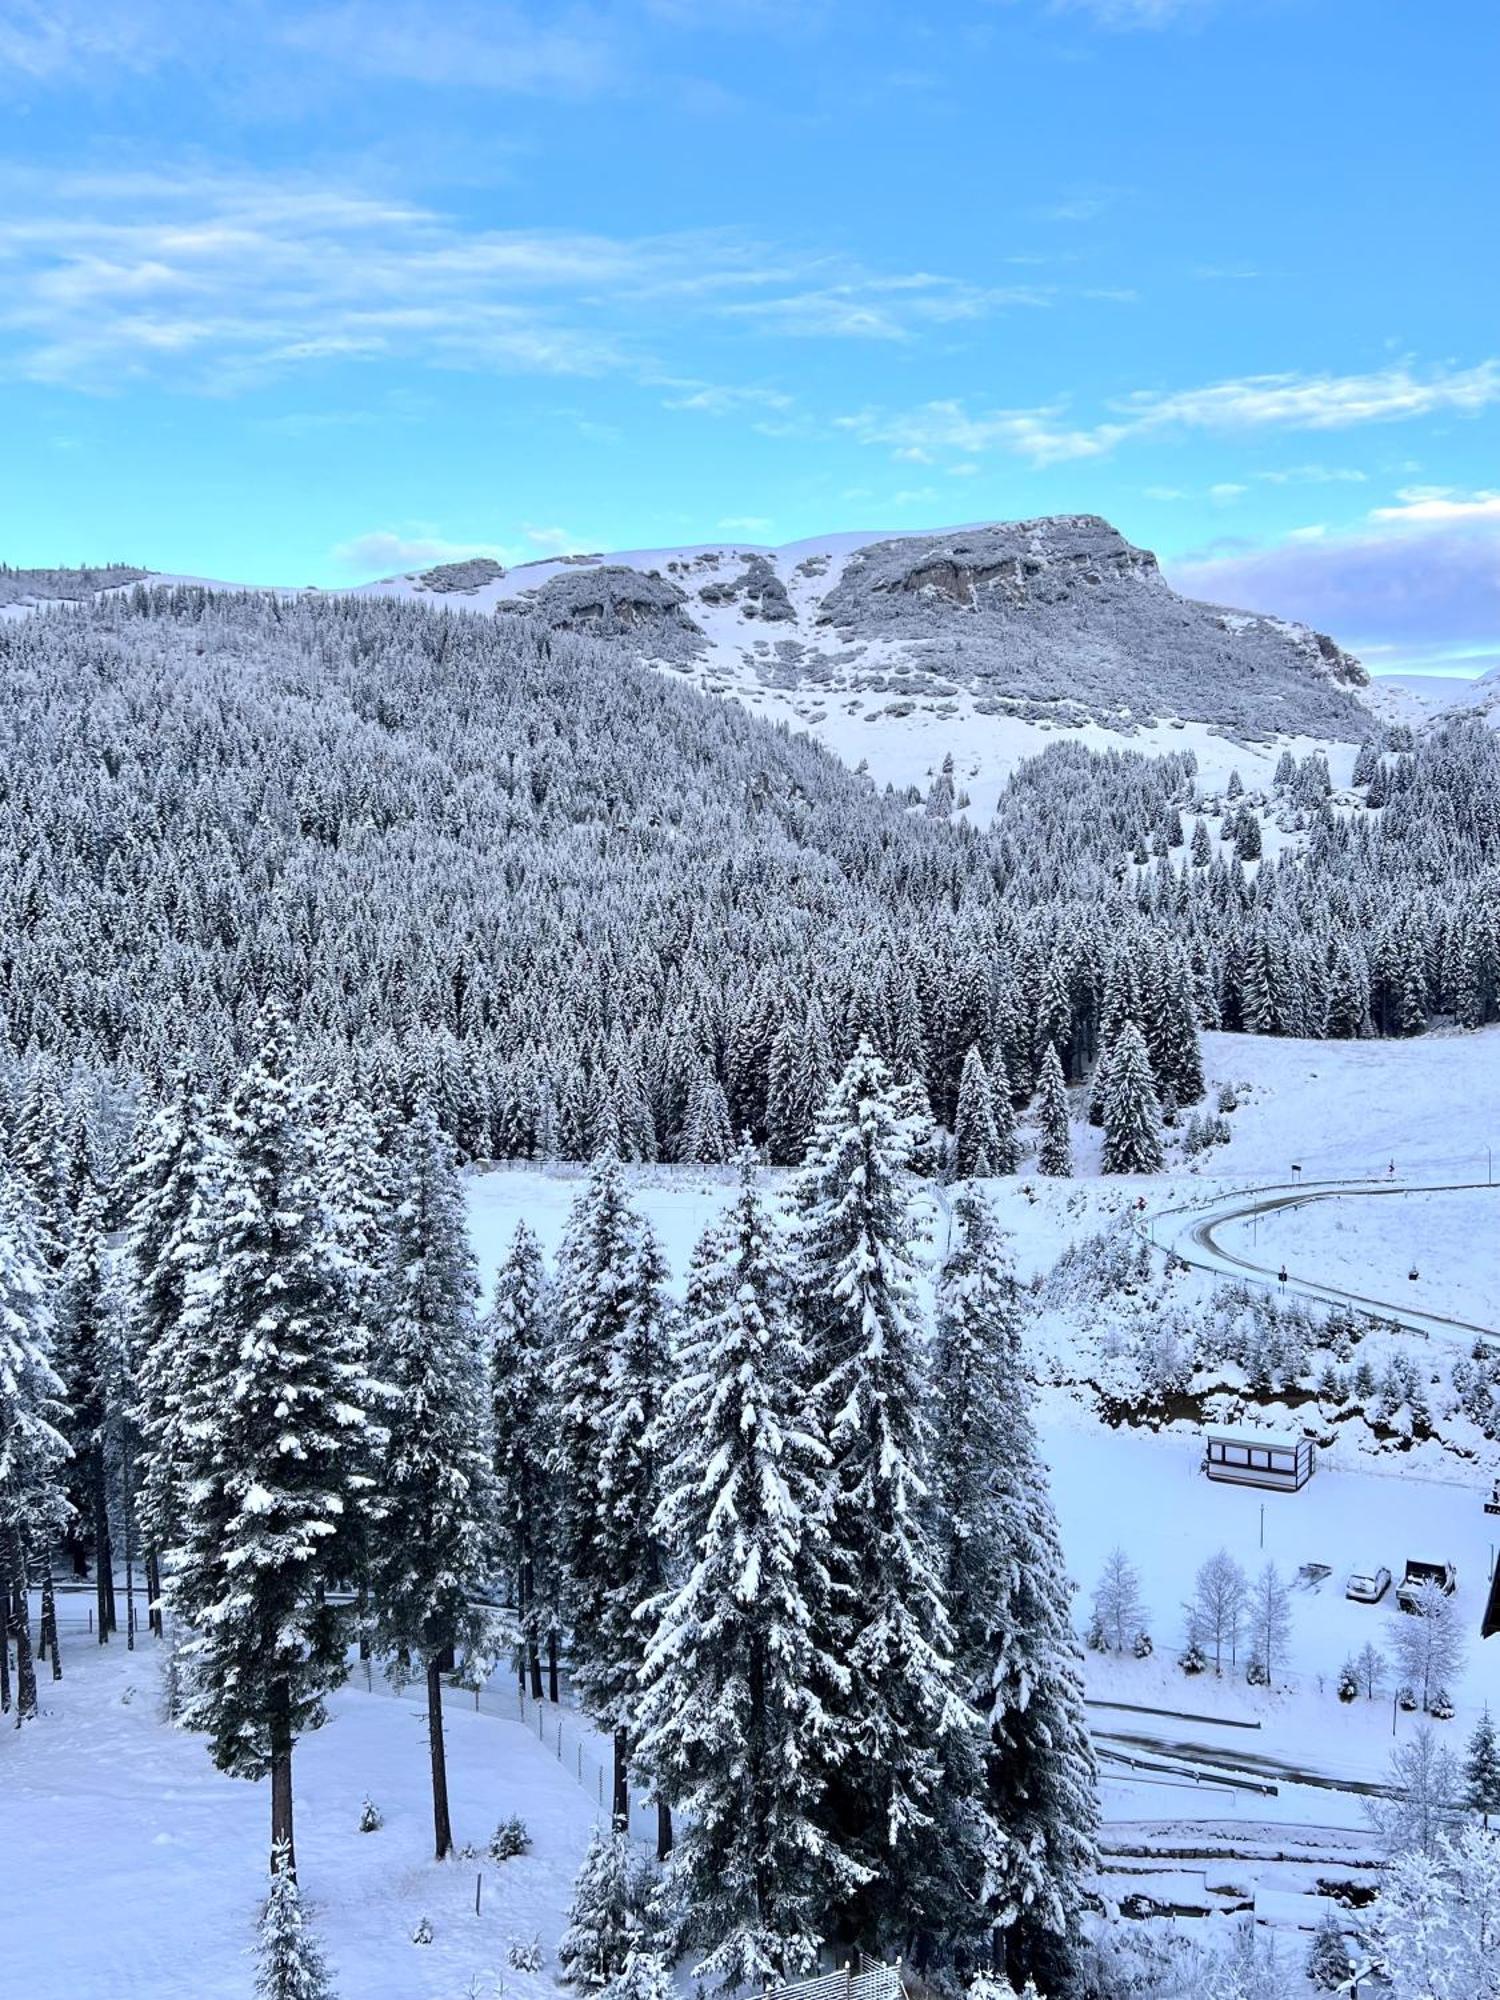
x=307, y=293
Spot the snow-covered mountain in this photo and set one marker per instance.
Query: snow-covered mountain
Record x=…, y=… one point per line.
x=981, y=642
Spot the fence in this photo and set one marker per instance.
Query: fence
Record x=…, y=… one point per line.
x=866, y=1979
x=559, y=1729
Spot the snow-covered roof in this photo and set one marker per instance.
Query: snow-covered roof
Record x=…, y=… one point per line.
x=1263, y=1440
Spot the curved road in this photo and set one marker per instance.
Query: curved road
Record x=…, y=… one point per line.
x=1189, y=1231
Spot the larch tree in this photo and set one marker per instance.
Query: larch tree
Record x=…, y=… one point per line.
x=887, y=1623
x=276, y=1443
x=734, y=1724
x=1008, y=1595
x=434, y=1537
x=520, y=1336
x=1118, y=1610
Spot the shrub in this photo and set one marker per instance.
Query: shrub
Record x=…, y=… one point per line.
x=371, y=1818
x=509, y=1838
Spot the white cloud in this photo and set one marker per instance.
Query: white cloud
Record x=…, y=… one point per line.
x=754, y=526
x=384, y=551
x=212, y=280
x=1246, y=405
x=1440, y=503
x=490, y=48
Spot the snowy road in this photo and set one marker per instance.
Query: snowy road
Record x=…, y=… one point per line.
x=1192, y=1232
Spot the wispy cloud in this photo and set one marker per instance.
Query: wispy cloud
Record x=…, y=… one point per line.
x=211, y=280
x=1136, y=13
x=44, y=41
x=1246, y=405
x=385, y=551
x=1440, y=503
x=497, y=48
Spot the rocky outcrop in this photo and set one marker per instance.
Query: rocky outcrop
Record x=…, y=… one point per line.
x=470, y=575
x=613, y=601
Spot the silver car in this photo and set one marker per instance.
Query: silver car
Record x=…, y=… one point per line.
x=1368, y=1587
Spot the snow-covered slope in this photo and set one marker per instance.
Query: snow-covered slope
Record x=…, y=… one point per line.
x=981, y=642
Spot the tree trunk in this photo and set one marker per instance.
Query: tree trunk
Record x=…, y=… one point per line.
x=127, y=1508
x=153, y=1592
x=103, y=1560
x=534, y=1657
x=4, y=1666
x=49, y=1619
x=620, y=1809
x=281, y=1777
x=552, y=1692
x=18, y=1618
x=442, y=1830
x=663, y=1829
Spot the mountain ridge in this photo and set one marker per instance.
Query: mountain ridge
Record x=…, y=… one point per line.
x=981, y=641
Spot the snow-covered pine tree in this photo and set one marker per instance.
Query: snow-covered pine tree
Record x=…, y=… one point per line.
x=1009, y=1596
x=521, y=1337
x=1055, y=1154
x=733, y=1723
x=33, y=1449
x=168, y=1206
x=903, y=1712
x=276, y=1442
x=289, y=1963
x=1132, y=1117
x=435, y=1533
x=84, y=1309
x=976, y=1146
x=610, y=1913
x=613, y=1369
x=1482, y=1769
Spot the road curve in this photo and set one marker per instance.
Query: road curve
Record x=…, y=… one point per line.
x=1189, y=1231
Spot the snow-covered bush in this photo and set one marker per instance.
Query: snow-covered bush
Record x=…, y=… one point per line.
x=422, y=1933
x=509, y=1838
x=1328, y=1961
x=371, y=1818
x=1193, y=1659
x=1348, y=1683
x=525, y=1954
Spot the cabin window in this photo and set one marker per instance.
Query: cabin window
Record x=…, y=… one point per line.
x=1236, y=1454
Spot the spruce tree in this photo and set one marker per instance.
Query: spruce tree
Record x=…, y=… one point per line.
x=275, y=1442
x=903, y=1713
x=289, y=1964
x=1482, y=1769
x=520, y=1335
x=167, y=1235
x=609, y=1918
x=976, y=1146
x=733, y=1721
x=1055, y=1154
x=612, y=1373
x=33, y=1449
x=435, y=1532
x=1132, y=1116
x=1009, y=1597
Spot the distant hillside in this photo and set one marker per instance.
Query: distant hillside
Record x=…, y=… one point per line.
x=896, y=651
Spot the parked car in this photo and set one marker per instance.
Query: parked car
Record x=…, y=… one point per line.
x=1368, y=1586
x=1444, y=1575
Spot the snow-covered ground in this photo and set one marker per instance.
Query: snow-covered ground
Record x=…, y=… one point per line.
x=1435, y=1252
x=142, y=1866
x=137, y=1868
